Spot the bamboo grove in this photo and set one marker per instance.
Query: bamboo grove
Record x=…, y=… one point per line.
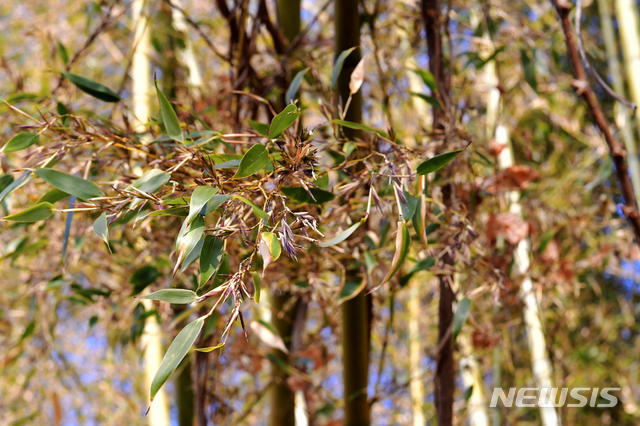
x=317, y=213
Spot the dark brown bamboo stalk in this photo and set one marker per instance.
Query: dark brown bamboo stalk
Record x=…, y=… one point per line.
x=583, y=88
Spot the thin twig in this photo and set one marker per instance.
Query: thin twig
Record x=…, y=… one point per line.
x=589, y=66
x=583, y=89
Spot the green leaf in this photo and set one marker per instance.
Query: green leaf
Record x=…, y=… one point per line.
x=64, y=55
x=257, y=283
x=38, y=212
x=212, y=250
x=92, y=88
x=422, y=265
x=351, y=289
x=15, y=184
x=201, y=195
x=437, y=162
x=273, y=244
x=460, y=317
x=428, y=99
x=256, y=210
x=337, y=67
x=298, y=193
x=261, y=128
x=177, y=296
x=100, y=227
x=188, y=237
x=221, y=274
x=529, y=68
x=282, y=121
x=215, y=202
x=21, y=141
x=254, y=160
x=177, y=351
x=468, y=392
x=342, y=236
x=143, y=278
x=73, y=185
x=428, y=79
x=358, y=126
x=193, y=255
x=53, y=196
x=151, y=181
x=403, y=240
x=408, y=208
x=169, y=117
x=294, y=86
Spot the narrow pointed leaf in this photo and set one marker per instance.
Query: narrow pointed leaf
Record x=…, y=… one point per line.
x=403, y=239
x=211, y=348
x=272, y=242
x=261, y=128
x=337, y=67
x=92, y=88
x=437, y=162
x=254, y=160
x=215, y=202
x=212, y=249
x=169, y=117
x=38, y=212
x=428, y=99
x=257, y=284
x=73, y=185
x=358, y=126
x=201, y=195
x=342, y=236
x=100, y=227
x=53, y=196
x=176, y=352
x=408, y=208
x=14, y=185
x=283, y=121
x=151, y=181
x=177, y=296
x=268, y=337
x=294, y=86
x=460, y=317
x=297, y=193
x=193, y=255
x=427, y=78
x=188, y=238
x=256, y=210
x=357, y=77
x=422, y=265
x=21, y=141
x=351, y=289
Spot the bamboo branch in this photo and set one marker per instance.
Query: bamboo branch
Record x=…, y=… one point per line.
x=583, y=89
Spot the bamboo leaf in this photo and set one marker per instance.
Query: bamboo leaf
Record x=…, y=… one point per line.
x=177, y=296
x=256, y=210
x=92, y=88
x=35, y=213
x=294, y=86
x=403, y=240
x=460, y=317
x=297, y=193
x=408, y=208
x=176, y=352
x=342, y=236
x=261, y=128
x=254, y=160
x=212, y=249
x=283, y=121
x=428, y=99
x=201, y=196
x=169, y=117
x=267, y=335
x=73, y=185
x=187, y=239
x=193, y=255
x=21, y=141
x=437, y=162
x=427, y=78
x=53, y=196
x=358, y=126
x=357, y=77
x=15, y=184
x=422, y=265
x=100, y=227
x=215, y=202
x=210, y=349
x=351, y=289
x=257, y=283
x=337, y=67
x=151, y=181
